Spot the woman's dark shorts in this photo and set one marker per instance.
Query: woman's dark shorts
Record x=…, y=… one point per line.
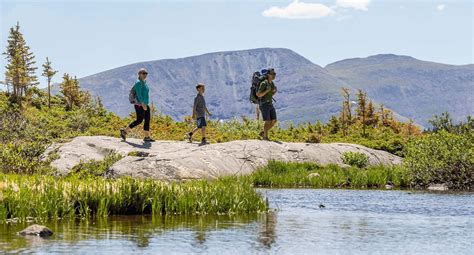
x=268, y=111
x=201, y=122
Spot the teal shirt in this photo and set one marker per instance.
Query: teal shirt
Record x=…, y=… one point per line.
x=141, y=89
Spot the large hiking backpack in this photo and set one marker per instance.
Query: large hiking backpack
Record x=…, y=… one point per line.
x=132, y=96
x=257, y=78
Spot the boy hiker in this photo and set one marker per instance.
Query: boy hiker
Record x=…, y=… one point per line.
x=265, y=93
x=199, y=114
x=139, y=98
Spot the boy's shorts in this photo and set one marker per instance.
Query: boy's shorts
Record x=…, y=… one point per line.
x=268, y=111
x=201, y=122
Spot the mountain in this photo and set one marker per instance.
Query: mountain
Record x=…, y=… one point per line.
x=306, y=91
x=415, y=89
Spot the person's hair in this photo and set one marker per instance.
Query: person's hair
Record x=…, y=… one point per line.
x=199, y=86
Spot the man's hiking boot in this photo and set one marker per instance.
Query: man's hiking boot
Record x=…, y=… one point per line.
x=203, y=142
x=123, y=134
x=148, y=139
x=266, y=139
x=189, y=137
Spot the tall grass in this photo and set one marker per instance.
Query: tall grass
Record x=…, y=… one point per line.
x=282, y=174
x=47, y=197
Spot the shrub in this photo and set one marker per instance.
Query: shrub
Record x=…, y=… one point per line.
x=356, y=159
x=442, y=158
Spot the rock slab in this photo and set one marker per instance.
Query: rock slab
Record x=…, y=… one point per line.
x=179, y=160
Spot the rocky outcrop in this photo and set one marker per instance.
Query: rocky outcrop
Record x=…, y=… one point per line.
x=36, y=230
x=176, y=160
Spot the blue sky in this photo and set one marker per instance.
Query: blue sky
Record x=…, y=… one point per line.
x=86, y=37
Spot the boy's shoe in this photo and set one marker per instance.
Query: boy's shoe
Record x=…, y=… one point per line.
x=203, y=142
x=148, y=139
x=189, y=136
x=123, y=134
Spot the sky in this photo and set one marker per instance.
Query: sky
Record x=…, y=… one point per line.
x=87, y=37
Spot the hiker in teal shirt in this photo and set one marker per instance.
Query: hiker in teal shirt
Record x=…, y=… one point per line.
x=141, y=89
x=141, y=106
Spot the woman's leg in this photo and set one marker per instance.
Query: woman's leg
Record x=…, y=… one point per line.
x=146, y=126
x=140, y=116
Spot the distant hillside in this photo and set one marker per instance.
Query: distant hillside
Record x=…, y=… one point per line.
x=414, y=88
x=306, y=91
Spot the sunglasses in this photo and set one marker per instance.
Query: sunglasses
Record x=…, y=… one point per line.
x=144, y=73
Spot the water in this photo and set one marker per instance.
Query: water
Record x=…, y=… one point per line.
x=352, y=222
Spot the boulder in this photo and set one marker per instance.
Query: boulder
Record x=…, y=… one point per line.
x=36, y=230
x=438, y=187
x=313, y=175
x=179, y=160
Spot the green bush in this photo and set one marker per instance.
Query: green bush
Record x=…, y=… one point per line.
x=356, y=159
x=442, y=158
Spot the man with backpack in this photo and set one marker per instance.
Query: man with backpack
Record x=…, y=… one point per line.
x=140, y=99
x=265, y=93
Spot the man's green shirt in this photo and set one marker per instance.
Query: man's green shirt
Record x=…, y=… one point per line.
x=267, y=98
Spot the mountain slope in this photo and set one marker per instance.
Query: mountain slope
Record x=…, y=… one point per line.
x=306, y=92
x=414, y=88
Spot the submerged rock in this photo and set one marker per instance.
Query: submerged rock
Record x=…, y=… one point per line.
x=177, y=160
x=36, y=230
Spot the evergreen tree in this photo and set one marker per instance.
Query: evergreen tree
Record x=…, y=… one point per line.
x=362, y=109
x=346, y=113
x=334, y=125
x=48, y=72
x=371, y=116
x=19, y=69
x=73, y=96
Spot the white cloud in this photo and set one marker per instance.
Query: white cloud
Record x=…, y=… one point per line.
x=440, y=7
x=299, y=10
x=361, y=5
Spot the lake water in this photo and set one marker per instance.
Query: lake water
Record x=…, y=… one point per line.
x=352, y=222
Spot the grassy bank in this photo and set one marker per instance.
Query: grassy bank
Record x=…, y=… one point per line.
x=310, y=175
x=48, y=197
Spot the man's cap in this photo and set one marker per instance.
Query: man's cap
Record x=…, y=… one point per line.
x=142, y=70
x=271, y=71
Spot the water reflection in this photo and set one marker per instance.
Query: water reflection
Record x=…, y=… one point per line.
x=353, y=221
x=267, y=234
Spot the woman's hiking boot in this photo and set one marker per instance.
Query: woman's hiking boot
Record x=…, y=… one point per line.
x=189, y=137
x=123, y=134
x=148, y=139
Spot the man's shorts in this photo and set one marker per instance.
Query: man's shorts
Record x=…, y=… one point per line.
x=268, y=111
x=201, y=122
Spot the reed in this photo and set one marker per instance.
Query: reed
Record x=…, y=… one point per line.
x=48, y=197
x=291, y=175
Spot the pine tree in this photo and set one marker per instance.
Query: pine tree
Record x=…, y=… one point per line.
x=346, y=113
x=371, y=116
x=73, y=96
x=362, y=109
x=20, y=70
x=48, y=72
x=333, y=125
